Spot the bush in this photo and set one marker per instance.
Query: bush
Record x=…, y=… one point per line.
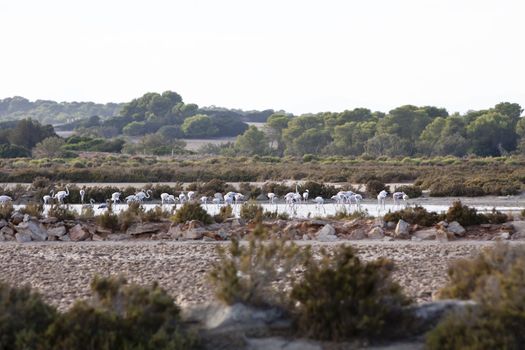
x=251, y=210
x=192, y=211
x=410, y=191
x=61, y=212
x=343, y=214
x=108, y=220
x=24, y=317
x=373, y=187
x=225, y=212
x=33, y=209
x=87, y=213
x=495, y=279
x=156, y=214
x=248, y=273
x=414, y=215
x=6, y=210
x=272, y=215
x=341, y=297
x=131, y=215
x=121, y=316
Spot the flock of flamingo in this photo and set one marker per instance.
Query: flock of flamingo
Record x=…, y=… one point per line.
x=291, y=199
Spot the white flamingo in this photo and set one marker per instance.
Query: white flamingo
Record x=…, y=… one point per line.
x=4, y=199
x=143, y=195
x=305, y=195
x=191, y=195
x=217, y=201
x=82, y=193
x=271, y=197
x=356, y=199
x=131, y=198
x=182, y=198
x=238, y=198
x=90, y=205
x=61, y=195
x=115, y=197
x=166, y=198
x=319, y=203
x=398, y=196
x=47, y=198
x=204, y=200
x=381, y=197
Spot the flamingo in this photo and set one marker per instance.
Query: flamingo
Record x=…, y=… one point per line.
x=61, y=195
x=143, y=195
x=238, y=198
x=228, y=199
x=132, y=198
x=90, y=205
x=191, y=195
x=4, y=199
x=319, y=203
x=398, y=196
x=271, y=197
x=381, y=199
x=115, y=197
x=82, y=193
x=204, y=200
x=47, y=198
x=166, y=197
x=216, y=200
x=356, y=198
x=305, y=195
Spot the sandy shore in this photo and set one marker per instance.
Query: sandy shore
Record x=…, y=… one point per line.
x=62, y=271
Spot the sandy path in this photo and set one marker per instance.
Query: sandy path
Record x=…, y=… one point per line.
x=62, y=271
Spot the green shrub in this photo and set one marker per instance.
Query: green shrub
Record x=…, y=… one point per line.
x=6, y=210
x=466, y=216
x=414, y=215
x=410, y=190
x=495, y=279
x=192, y=211
x=61, y=212
x=24, y=317
x=251, y=210
x=248, y=273
x=121, y=316
x=341, y=297
x=272, y=215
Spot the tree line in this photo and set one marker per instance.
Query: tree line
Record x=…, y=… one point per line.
x=404, y=131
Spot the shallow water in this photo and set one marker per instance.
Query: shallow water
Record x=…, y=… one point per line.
x=306, y=210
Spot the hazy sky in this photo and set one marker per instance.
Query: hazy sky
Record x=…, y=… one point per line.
x=301, y=56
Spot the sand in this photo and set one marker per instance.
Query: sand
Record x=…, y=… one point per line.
x=62, y=271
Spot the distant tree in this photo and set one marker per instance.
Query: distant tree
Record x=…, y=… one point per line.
x=135, y=129
x=492, y=132
x=199, y=125
x=171, y=132
x=13, y=151
x=275, y=124
x=252, y=142
x=387, y=145
x=512, y=110
x=350, y=138
x=49, y=148
x=311, y=141
x=28, y=133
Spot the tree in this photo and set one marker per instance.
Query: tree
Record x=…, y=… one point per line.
x=492, y=132
x=512, y=110
x=135, y=129
x=350, y=138
x=171, y=132
x=199, y=125
x=28, y=133
x=387, y=145
x=276, y=123
x=50, y=148
x=252, y=142
x=311, y=141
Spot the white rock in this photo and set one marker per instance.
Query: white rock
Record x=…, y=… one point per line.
x=426, y=234
x=456, y=228
x=327, y=230
x=402, y=229
x=34, y=228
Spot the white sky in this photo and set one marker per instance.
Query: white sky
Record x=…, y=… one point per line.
x=297, y=55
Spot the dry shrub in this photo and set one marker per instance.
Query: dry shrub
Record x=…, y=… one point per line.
x=6, y=210
x=225, y=212
x=251, y=210
x=410, y=190
x=495, y=279
x=157, y=214
x=108, y=220
x=248, y=273
x=341, y=297
x=61, y=212
x=33, y=209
